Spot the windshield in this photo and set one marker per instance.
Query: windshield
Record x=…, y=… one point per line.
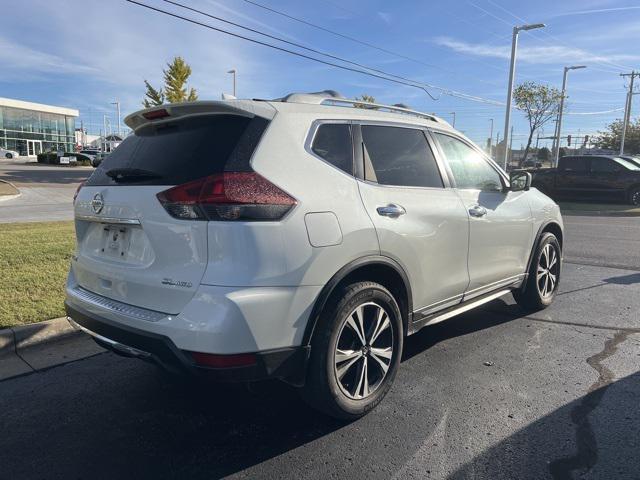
x=627, y=164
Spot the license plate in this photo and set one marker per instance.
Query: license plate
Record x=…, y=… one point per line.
x=115, y=241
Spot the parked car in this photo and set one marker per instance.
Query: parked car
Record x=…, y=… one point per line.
x=91, y=154
x=6, y=153
x=301, y=240
x=591, y=176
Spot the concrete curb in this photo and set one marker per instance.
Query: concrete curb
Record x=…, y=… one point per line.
x=31, y=348
x=11, y=195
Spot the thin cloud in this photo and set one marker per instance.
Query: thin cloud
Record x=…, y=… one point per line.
x=598, y=10
x=27, y=60
x=540, y=55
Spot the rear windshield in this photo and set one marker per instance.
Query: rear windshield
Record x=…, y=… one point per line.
x=179, y=152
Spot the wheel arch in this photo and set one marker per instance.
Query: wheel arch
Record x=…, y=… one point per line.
x=376, y=268
x=550, y=226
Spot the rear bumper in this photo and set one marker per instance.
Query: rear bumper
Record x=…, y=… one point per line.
x=288, y=364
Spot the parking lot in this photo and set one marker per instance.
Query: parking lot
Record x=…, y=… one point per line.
x=490, y=394
x=45, y=191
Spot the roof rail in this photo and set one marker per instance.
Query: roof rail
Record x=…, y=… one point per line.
x=331, y=97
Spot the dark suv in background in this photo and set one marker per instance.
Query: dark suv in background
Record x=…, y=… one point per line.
x=591, y=176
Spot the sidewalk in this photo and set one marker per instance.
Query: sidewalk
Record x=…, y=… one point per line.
x=39, y=346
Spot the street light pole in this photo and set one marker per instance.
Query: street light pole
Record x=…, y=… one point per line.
x=454, y=119
x=233, y=72
x=556, y=154
x=512, y=71
x=117, y=104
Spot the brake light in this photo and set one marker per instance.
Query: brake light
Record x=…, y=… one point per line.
x=156, y=114
x=75, y=195
x=227, y=196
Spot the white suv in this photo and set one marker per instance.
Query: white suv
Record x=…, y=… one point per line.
x=301, y=240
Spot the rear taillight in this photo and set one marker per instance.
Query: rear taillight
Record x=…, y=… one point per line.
x=75, y=195
x=227, y=196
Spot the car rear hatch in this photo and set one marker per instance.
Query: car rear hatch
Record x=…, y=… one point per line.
x=130, y=246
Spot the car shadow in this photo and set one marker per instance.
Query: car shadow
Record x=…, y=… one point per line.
x=120, y=417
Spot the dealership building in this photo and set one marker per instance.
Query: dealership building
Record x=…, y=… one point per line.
x=32, y=128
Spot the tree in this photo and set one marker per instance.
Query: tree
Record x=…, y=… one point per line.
x=544, y=154
x=153, y=97
x=365, y=98
x=612, y=136
x=539, y=104
x=175, y=89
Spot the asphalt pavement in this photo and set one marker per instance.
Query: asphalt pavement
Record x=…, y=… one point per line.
x=492, y=394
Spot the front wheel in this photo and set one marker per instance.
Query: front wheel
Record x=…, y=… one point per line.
x=634, y=196
x=8, y=155
x=544, y=275
x=355, y=351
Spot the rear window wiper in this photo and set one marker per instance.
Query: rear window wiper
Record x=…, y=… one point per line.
x=128, y=174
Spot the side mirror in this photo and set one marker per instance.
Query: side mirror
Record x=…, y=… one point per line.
x=520, y=180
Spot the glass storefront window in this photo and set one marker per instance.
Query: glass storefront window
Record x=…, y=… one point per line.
x=17, y=126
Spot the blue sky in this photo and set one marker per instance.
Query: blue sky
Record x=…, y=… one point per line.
x=87, y=53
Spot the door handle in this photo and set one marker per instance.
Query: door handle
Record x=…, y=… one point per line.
x=392, y=210
x=477, y=211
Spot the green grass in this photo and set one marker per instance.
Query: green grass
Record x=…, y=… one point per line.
x=34, y=261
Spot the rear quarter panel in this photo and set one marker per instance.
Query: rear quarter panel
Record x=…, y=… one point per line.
x=280, y=253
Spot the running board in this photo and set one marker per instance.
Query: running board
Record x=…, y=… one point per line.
x=430, y=319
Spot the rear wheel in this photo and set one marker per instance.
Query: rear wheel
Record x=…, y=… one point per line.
x=355, y=351
x=544, y=275
x=634, y=196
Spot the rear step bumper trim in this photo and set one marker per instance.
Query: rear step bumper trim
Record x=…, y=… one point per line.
x=111, y=220
x=113, y=305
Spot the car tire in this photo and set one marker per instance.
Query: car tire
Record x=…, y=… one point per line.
x=543, y=280
x=347, y=377
x=8, y=155
x=634, y=196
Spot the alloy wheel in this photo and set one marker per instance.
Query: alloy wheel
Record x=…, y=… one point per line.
x=548, y=270
x=364, y=350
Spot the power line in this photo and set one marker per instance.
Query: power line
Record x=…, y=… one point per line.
x=288, y=42
x=383, y=75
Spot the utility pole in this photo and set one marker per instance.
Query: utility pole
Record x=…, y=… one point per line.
x=627, y=108
x=117, y=104
x=512, y=72
x=556, y=153
x=491, y=138
x=454, y=119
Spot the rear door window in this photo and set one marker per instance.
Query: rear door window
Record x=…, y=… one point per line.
x=399, y=156
x=184, y=150
x=603, y=165
x=332, y=143
x=573, y=164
